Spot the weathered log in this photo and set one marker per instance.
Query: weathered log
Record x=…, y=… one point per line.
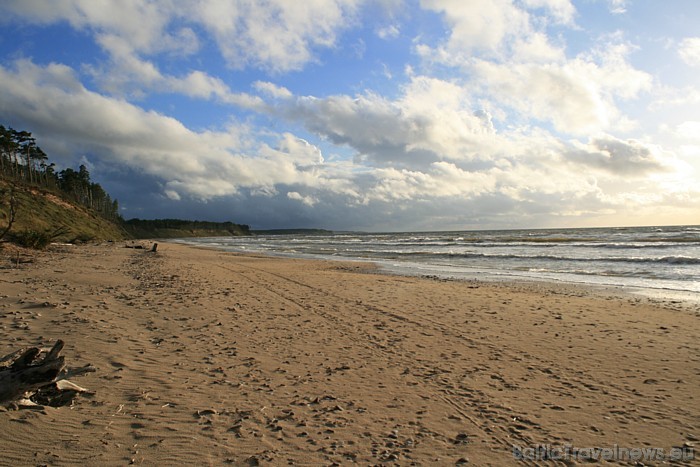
x=39, y=377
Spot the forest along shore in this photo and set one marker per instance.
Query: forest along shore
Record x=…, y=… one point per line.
x=207, y=356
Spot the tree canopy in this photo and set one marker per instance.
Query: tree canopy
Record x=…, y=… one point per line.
x=22, y=160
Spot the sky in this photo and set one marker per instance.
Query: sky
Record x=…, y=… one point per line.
x=375, y=115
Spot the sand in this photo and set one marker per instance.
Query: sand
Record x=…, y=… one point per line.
x=212, y=358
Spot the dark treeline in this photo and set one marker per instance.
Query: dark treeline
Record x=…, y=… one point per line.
x=22, y=160
x=143, y=225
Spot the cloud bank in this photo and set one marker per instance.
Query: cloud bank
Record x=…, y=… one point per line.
x=493, y=124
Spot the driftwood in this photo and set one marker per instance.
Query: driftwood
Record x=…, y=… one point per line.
x=153, y=249
x=36, y=377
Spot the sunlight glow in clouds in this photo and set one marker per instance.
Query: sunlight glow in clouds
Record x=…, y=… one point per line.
x=378, y=115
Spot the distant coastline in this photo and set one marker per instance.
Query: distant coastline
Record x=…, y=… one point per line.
x=180, y=228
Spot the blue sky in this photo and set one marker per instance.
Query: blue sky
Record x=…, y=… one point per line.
x=367, y=115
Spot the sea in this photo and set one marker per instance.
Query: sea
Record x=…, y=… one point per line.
x=658, y=261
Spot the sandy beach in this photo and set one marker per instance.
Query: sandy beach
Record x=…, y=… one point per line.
x=211, y=358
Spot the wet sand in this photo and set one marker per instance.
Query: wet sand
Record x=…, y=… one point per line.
x=205, y=357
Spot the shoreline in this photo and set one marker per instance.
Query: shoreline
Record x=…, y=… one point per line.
x=674, y=298
x=660, y=263
x=210, y=357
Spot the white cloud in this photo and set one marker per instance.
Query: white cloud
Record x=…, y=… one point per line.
x=277, y=35
x=140, y=25
x=562, y=10
x=689, y=130
x=617, y=7
x=535, y=48
x=495, y=29
x=578, y=96
x=198, y=84
x=689, y=50
x=429, y=144
x=432, y=120
x=479, y=24
x=391, y=31
x=441, y=180
x=272, y=89
x=452, y=139
x=201, y=164
x=307, y=200
x=303, y=152
x=625, y=158
x=129, y=75
x=172, y=194
x=506, y=54
x=441, y=151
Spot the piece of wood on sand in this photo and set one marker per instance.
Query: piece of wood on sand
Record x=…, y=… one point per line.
x=38, y=377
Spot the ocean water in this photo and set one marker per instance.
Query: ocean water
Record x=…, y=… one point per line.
x=661, y=259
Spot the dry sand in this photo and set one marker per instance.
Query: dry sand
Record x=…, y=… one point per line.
x=205, y=357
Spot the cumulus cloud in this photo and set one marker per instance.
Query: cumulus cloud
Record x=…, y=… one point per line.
x=303, y=152
x=495, y=29
x=617, y=7
x=272, y=89
x=625, y=158
x=276, y=35
x=442, y=152
x=130, y=76
x=307, y=200
x=204, y=86
x=432, y=120
x=209, y=164
x=391, y=31
x=127, y=74
x=507, y=125
x=431, y=144
x=562, y=11
x=508, y=55
x=137, y=25
x=689, y=51
x=479, y=24
x=202, y=164
x=440, y=180
x=578, y=96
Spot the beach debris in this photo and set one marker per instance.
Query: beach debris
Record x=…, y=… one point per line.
x=37, y=377
x=153, y=249
x=206, y=413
